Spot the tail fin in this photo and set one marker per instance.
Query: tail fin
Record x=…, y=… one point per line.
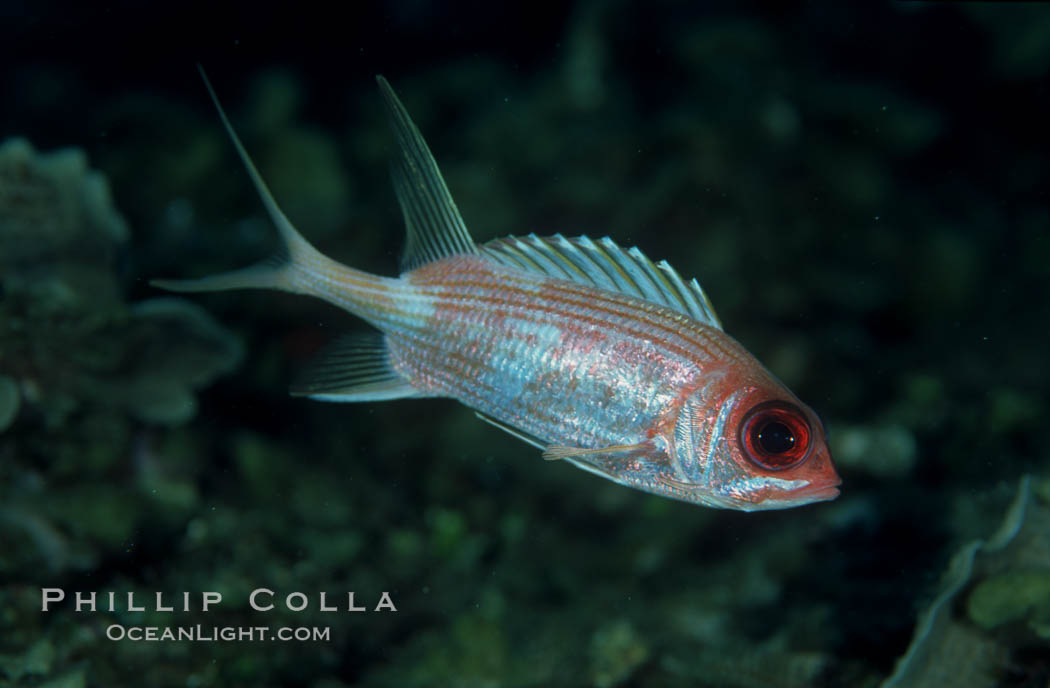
x=282, y=271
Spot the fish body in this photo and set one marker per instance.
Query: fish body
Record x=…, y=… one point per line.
x=586, y=350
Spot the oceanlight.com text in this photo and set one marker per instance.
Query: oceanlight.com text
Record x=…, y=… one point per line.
x=201, y=633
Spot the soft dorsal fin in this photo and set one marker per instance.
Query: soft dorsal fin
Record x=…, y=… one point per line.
x=433, y=225
x=606, y=265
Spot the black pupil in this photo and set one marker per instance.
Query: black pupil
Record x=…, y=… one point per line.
x=775, y=438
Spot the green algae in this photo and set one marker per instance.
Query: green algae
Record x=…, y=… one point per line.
x=1012, y=596
x=616, y=652
x=266, y=469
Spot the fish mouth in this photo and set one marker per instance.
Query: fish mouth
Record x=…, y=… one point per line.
x=818, y=493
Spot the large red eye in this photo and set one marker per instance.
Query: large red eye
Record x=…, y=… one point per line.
x=775, y=435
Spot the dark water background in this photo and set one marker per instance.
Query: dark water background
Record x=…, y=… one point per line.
x=862, y=191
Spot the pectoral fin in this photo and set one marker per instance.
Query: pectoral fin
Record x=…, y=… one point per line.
x=556, y=453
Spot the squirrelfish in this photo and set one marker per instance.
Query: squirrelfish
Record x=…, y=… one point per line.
x=586, y=350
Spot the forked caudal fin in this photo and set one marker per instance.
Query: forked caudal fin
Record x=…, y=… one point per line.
x=433, y=226
x=355, y=368
x=277, y=272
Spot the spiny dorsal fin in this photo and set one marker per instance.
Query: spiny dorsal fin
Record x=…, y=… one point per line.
x=354, y=367
x=606, y=265
x=433, y=225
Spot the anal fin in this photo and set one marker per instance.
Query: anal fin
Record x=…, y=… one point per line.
x=354, y=368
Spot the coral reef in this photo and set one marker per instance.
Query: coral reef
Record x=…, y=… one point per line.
x=1005, y=580
x=52, y=205
x=68, y=340
x=84, y=371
